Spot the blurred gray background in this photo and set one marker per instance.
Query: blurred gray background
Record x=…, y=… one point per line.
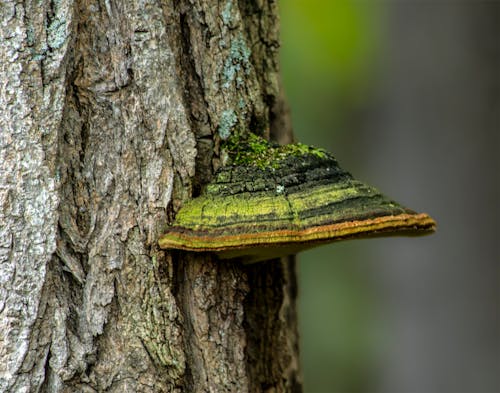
x=406, y=94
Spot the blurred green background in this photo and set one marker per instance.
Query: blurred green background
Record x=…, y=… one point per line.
x=329, y=49
x=406, y=96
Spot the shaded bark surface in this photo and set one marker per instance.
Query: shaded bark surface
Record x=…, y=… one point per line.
x=110, y=117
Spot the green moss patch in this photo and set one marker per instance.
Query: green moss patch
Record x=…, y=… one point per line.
x=253, y=150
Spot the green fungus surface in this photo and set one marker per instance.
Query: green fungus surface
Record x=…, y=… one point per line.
x=275, y=200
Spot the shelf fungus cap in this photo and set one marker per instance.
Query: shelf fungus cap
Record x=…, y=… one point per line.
x=274, y=201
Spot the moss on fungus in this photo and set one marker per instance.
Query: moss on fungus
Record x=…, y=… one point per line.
x=253, y=150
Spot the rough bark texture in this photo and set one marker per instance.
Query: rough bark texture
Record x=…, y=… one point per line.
x=110, y=116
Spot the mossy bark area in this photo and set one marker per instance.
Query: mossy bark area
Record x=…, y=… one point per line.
x=111, y=118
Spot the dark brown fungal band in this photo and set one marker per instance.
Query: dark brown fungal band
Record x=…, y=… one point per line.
x=297, y=200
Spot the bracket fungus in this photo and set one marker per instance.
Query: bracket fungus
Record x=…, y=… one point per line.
x=271, y=201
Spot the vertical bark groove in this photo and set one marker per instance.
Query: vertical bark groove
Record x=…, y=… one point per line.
x=270, y=322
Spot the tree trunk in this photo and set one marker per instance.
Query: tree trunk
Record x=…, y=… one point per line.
x=110, y=116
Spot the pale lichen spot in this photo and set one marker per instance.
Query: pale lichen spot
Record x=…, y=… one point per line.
x=227, y=13
x=238, y=60
x=56, y=33
x=228, y=120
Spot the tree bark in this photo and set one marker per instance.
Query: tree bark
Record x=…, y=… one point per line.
x=111, y=114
